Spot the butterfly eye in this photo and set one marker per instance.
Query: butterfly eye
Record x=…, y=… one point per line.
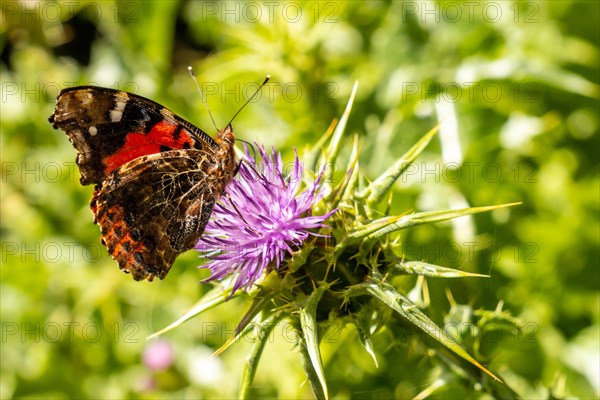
x=227, y=135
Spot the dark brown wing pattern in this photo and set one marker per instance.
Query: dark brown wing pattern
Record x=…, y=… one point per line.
x=157, y=176
x=153, y=208
x=110, y=127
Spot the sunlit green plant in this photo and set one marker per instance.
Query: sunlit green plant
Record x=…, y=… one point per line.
x=317, y=251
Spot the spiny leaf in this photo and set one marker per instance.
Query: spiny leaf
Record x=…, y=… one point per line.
x=502, y=319
x=353, y=171
x=311, y=156
x=365, y=340
x=353, y=180
x=380, y=186
x=256, y=307
x=264, y=330
x=342, y=189
x=373, y=227
x=299, y=257
x=387, y=294
x=496, y=388
x=428, y=217
x=436, y=271
x=311, y=374
x=310, y=336
x=358, y=235
x=364, y=323
x=211, y=299
x=334, y=145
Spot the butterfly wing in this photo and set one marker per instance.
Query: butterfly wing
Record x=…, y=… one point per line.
x=109, y=127
x=155, y=207
x=157, y=176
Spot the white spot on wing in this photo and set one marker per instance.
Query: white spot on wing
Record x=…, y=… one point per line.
x=93, y=130
x=117, y=114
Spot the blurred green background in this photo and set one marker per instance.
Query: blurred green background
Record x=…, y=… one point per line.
x=517, y=84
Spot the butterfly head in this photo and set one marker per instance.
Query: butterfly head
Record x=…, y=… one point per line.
x=225, y=137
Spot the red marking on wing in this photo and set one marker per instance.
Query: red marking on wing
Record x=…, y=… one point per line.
x=141, y=144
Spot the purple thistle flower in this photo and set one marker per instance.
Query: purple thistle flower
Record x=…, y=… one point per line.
x=262, y=216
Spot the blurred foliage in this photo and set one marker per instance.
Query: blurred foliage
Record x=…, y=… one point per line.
x=517, y=84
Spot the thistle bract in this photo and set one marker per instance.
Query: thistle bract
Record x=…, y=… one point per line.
x=312, y=250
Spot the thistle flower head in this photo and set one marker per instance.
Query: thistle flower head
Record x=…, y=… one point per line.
x=336, y=266
x=264, y=215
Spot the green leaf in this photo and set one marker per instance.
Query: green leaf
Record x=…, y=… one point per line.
x=344, y=189
x=367, y=343
x=334, y=145
x=299, y=257
x=211, y=299
x=436, y=271
x=310, y=337
x=256, y=307
x=311, y=156
x=378, y=228
x=377, y=190
x=360, y=234
x=364, y=323
x=387, y=294
x=372, y=227
x=264, y=331
x=428, y=217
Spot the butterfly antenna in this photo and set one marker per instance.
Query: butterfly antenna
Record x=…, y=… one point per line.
x=191, y=71
x=251, y=97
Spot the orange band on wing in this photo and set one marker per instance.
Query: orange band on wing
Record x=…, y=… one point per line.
x=141, y=144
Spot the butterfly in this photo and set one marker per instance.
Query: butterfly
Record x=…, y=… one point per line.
x=156, y=175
